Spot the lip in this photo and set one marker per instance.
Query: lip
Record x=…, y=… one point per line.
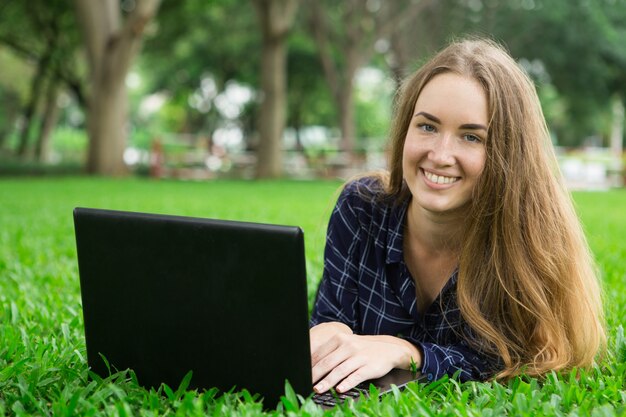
x=435, y=185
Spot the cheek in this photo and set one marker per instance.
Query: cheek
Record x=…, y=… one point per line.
x=408, y=158
x=410, y=151
x=476, y=162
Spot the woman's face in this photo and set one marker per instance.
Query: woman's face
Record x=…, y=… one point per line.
x=444, y=149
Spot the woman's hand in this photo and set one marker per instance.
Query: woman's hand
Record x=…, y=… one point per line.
x=323, y=332
x=343, y=360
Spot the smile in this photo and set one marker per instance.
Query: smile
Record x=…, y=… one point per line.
x=440, y=179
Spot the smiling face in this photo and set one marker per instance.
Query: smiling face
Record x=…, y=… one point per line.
x=444, y=149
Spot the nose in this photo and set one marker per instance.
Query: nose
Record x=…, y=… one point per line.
x=442, y=152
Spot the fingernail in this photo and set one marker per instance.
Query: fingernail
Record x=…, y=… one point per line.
x=340, y=388
x=319, y=387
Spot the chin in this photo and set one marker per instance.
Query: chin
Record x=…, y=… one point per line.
x=443, y=207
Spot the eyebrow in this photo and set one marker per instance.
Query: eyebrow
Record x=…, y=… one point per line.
x=470, y=126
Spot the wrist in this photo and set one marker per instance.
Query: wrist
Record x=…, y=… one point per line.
x=408, y=355
x=412, y=359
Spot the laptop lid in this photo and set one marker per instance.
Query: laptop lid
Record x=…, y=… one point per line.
x=164, y=295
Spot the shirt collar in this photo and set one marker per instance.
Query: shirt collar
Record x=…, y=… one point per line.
x=396, y=232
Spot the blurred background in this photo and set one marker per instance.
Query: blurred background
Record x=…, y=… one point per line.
x=204, y=89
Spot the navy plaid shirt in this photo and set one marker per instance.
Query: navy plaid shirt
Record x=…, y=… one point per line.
x=367, y=286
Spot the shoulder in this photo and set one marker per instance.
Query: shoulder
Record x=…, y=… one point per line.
x=364, y=201
x=364, y=191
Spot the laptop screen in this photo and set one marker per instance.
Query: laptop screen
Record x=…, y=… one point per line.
x=165, y=295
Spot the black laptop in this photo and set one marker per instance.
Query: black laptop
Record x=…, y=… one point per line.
x=164, y=295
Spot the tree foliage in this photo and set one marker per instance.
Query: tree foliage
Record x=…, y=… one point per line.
x=43, y=34
x=577, y=48
x=197, y=50
x=212, y=47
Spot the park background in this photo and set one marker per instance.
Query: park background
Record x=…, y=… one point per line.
x=257, y=110
x=221, y=88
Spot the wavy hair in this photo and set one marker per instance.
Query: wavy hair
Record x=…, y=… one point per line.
x=527, y=283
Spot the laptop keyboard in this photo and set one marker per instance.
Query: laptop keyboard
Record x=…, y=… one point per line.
x=332, y=398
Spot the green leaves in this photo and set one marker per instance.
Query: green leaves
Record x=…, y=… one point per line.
x=414, y=368
x=182, y=388
x=289, y=400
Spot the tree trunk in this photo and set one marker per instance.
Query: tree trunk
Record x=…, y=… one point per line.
x=276, y=19
x=111, y=47
x=617, y=127
x=346, y=119
x=339, y=77
x=273, y=110
x=108, y=109
x=354, y=40
x=297, y=128
x=617, y=141
x=31, y=107
x=48, y=122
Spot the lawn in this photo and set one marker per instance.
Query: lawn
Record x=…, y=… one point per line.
x=43, y=368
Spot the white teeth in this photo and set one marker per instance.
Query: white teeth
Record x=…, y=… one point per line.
x=440, y=179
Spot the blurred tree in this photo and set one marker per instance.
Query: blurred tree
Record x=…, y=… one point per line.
x=206, y=53
x=310, y=103
x=276, y=18
x=346, y=34
x=48, y=122
x=13, y=91
x=196, y=56
x=576, y=47
x=373, y=104
x=410, y=44
x=42, y=33
x=111, y=46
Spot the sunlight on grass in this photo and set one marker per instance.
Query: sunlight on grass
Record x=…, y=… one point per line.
x=43, y=367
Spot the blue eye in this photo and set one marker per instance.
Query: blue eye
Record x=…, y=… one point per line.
x=426, y=127
x=472, y=138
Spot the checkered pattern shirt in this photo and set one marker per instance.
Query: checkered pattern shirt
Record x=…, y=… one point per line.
x=367, y=286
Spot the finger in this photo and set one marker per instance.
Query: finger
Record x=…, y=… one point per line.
x=355, y=378
x=328, y=363
x=321, y=351
x=339, y=373
x=355, y=370
x=325, y=349
x=363, y=373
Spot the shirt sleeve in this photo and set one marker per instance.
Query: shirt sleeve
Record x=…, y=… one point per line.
x=452, y=347
x=441, y=360
x=337, y=296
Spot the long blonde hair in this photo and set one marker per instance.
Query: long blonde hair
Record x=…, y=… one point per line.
x=527, y=284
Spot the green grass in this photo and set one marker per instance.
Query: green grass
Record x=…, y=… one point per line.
x=43, y=368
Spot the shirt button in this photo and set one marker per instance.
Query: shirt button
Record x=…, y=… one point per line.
x=430, y=377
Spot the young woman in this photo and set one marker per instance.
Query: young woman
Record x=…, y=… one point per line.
x=467, y=256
